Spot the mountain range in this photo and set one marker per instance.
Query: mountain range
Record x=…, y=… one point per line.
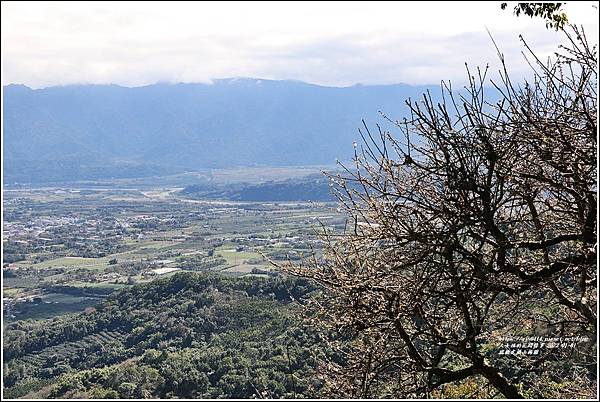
x=80, y=132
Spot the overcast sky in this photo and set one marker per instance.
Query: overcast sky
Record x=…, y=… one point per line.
x=336, y=44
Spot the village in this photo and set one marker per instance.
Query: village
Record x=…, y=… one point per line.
x=64, y=251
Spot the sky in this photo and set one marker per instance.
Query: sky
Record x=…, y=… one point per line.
x=333, y=44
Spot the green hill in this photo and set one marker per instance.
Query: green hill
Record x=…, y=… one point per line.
x=310, y=188
x=189, y=336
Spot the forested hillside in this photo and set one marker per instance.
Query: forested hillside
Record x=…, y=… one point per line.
x=188, y=336
x=310, y=188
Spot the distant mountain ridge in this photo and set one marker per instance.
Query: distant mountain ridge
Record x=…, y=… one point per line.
x=98, y=131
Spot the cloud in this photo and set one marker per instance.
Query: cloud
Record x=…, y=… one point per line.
x=331, y=44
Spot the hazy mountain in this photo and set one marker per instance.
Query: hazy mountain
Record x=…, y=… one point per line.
x=97, y=131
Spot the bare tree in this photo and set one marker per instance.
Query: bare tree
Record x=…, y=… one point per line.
x=478, y=222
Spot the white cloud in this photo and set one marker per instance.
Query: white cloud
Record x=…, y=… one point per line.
x=326, y=43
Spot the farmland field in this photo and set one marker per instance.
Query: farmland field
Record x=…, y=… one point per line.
x=66, y=249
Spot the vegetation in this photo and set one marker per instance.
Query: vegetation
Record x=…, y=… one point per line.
x=71, y=247
x=478, y=225
x=551, y=12
x=187, y=336
x=310, y=188
x=464, y=265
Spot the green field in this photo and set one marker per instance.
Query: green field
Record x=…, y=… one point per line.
x=73, y=262
x=141, y=230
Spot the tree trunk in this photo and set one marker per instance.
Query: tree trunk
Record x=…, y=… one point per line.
x=499, y=381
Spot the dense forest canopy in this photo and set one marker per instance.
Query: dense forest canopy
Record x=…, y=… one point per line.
x=187, y=336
